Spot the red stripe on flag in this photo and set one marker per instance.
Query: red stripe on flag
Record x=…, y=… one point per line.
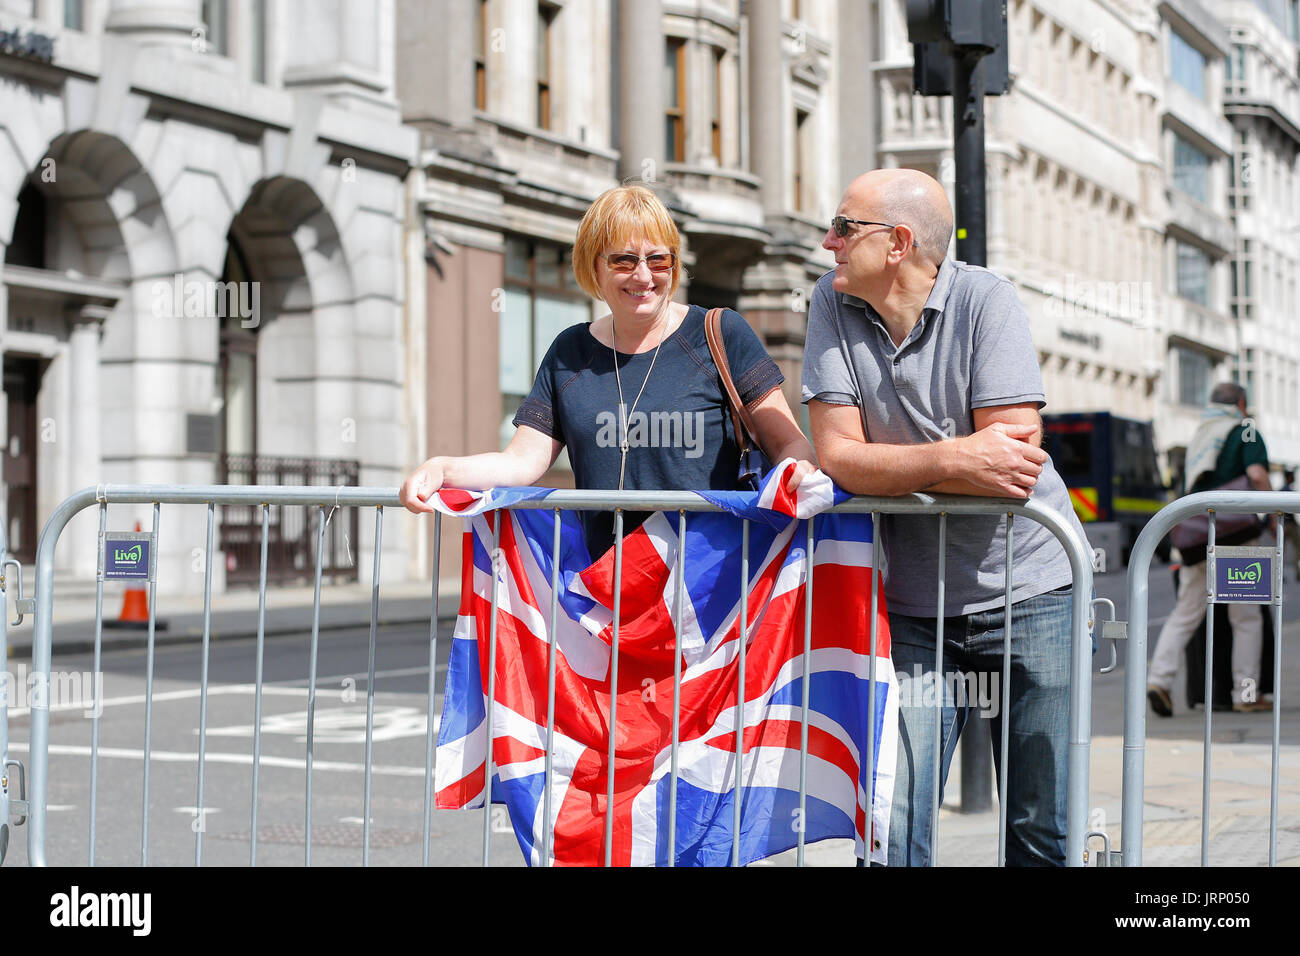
x=456, y=795
x=458, y=499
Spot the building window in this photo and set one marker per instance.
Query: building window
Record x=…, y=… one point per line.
x=1284, y=14
x=215, y=27
x=1247, y=381
x=801, y=127
x=715, y=104
x=675, y=98
x=1193, y=377
x=545, y=20
x=1192, y=273
x=1235, y=70
x=1191, y=170
x=480, y=56
x=540, y=301
x=73, y=15
x=1186, y=65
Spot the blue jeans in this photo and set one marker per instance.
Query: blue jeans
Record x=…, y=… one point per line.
x=1038, y=744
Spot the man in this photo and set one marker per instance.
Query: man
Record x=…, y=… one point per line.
x=1223, y=448
x=920, y=375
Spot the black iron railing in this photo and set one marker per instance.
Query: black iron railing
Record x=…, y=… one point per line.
x=291, y=544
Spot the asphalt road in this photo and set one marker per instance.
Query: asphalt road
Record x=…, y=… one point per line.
x=338, y=779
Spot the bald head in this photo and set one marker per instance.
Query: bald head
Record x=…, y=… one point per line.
x=907, y=197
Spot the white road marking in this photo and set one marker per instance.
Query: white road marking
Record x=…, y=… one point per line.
x=289, y=688
x=342, y=726
x=244, y=760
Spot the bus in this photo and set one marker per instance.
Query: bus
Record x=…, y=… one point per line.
x=1108, y=463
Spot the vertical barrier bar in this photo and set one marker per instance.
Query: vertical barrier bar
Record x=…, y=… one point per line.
x=938, y=693
x=203, y=685
x=870, y=842
x=743, y=637
x=490, y=704
x=548, y=828
x=430, y=751
x=99, y=642
x=257, y=689
x=1135, y=709
x=1006, y=703
x=312, y=664
x=613, y=688
x=1209, y=697
x=148, y=690
x=1080, y=714
x=370, y=684
x=1278, y=577
x=807, y=689
x=678, y=591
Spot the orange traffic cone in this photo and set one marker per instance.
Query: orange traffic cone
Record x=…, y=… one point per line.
x=135, y=609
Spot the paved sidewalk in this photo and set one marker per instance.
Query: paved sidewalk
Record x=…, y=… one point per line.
x=1239, y=793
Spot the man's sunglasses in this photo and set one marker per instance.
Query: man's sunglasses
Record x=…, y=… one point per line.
x=841, y=226
x=626, y=263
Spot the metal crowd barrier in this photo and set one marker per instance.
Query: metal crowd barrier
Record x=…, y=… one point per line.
x=7, y=692
x=379, y=498
x=1135, y=687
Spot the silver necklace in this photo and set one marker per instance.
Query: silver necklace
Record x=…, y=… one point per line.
x=623, y=412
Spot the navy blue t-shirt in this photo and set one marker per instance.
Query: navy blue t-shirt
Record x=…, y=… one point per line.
x=679, y=433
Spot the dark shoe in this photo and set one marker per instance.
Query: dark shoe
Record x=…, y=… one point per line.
x=1160, y=700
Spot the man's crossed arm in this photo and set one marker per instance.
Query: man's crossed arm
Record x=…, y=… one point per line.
x=1001, y=459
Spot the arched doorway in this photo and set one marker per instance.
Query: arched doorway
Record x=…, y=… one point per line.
x=283, y=262
x=68, y=265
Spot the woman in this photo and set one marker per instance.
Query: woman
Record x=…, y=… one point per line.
x=634, y=395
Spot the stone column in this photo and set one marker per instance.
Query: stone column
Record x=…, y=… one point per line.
x=435, y=60
x=641, y=95
x=767, y=112
x=240, y=28
x=337, y=50
x=50, y=12
x=84, y=426
x=162, y=22
x=855, y=92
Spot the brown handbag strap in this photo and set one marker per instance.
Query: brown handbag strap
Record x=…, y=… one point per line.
x=742, y=422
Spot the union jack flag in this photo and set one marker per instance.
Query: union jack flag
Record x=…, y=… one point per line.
x=837, y=798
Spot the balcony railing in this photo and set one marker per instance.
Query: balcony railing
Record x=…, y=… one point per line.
x=291, y=544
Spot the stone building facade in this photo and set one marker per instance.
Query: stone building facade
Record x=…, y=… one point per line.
x=1115, y=178
x=201, y=208
x=735, y=112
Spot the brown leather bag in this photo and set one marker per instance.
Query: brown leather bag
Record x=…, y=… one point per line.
x=753, y=463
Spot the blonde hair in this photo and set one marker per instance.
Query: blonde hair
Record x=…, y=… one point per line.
x=617, y=215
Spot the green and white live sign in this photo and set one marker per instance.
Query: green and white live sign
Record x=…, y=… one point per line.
x=127, y=555
x=1242, y=575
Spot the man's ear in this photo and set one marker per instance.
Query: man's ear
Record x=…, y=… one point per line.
x=904, y=243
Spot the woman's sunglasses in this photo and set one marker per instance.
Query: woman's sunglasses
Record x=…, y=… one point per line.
x=626, y=263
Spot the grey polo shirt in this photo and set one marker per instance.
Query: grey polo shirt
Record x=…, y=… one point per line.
x=971, y=349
